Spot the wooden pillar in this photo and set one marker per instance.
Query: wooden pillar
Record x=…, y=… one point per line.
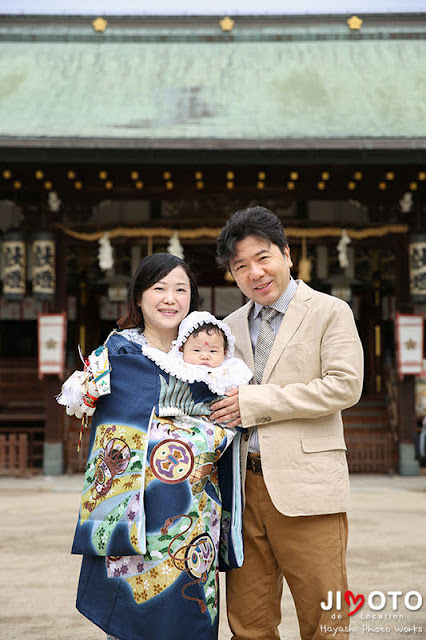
x=407, y=425
x=53, y=449
x=61, y=293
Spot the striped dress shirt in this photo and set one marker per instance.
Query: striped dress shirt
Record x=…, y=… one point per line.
x=255, y=321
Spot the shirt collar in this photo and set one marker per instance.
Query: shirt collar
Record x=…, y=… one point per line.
x=283, y=301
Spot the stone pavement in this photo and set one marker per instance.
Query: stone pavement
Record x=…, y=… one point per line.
x=38, y=576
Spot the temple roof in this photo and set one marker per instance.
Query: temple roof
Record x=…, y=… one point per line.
x=158, y=83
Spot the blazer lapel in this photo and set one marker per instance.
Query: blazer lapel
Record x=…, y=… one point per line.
x=244, y=341
x=290, y=324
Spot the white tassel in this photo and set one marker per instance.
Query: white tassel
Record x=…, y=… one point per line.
x=72, y=389
x=342, y=249
x=175, y=247
x=105, y=253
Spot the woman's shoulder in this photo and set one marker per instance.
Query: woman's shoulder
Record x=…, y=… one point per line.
x=125, y=341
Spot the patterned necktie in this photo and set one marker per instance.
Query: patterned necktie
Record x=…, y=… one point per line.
x=264, y=342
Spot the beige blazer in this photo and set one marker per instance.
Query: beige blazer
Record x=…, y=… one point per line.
x=314, y=371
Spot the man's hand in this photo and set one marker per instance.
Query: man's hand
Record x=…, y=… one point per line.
x=227, y=409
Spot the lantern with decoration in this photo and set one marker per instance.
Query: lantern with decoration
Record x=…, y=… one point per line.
x=13, y=265
x=43, y=275
x=417, y=261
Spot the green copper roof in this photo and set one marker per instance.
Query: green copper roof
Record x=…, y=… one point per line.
x=262, y=91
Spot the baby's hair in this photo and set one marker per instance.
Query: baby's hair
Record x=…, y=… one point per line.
x=210, y=328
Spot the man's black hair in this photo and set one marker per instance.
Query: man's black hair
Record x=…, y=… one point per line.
x=253, y=221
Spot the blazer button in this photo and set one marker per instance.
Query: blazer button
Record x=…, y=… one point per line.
x=268, y=419
x=246, y=437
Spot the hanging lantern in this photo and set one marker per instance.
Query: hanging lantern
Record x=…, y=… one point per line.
x=43, y=265
x=417, y=260
x=117, y=288
x=13, y=261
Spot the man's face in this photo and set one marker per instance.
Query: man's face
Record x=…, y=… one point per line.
x=207, y=349
x=260, y=270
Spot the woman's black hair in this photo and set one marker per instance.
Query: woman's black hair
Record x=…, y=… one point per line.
x=152, y=269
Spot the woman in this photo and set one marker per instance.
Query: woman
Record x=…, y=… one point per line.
x=151, y=509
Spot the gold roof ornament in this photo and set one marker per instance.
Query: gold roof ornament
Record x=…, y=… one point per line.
x=354, y=23
x=100, y=24
x=228, y=277
x=305, y=264
x=227, y=23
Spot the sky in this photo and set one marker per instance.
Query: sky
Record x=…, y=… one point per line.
x=219, y=7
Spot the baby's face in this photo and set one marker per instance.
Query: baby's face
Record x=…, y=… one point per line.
x=205, y=349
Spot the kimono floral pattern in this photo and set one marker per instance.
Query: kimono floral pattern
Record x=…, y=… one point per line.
x=176, y=450
x=113, y=474
x=185, y=450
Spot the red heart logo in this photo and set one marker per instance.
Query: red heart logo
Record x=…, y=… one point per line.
x=359, y=598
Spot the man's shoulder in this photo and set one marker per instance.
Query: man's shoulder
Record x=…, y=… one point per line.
x=305, y=292
x=239, y=314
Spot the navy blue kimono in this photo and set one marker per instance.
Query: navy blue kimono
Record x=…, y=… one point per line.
x=161, y=505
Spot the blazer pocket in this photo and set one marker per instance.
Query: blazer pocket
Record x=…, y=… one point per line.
x=323, y=443
x=304, y=360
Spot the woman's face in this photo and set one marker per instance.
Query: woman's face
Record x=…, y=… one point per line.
x=166, y=303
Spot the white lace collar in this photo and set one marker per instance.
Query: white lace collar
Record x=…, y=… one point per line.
x=134, y=335
x=231, y=373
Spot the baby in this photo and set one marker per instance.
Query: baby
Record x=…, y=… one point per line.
x=203, y=352
x=207, y=346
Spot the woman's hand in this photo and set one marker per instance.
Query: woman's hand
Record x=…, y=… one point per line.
x=227, y=409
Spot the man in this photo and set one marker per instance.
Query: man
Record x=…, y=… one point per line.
x=304, y=349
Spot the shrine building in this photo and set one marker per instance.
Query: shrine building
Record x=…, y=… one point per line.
x=144, y=133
